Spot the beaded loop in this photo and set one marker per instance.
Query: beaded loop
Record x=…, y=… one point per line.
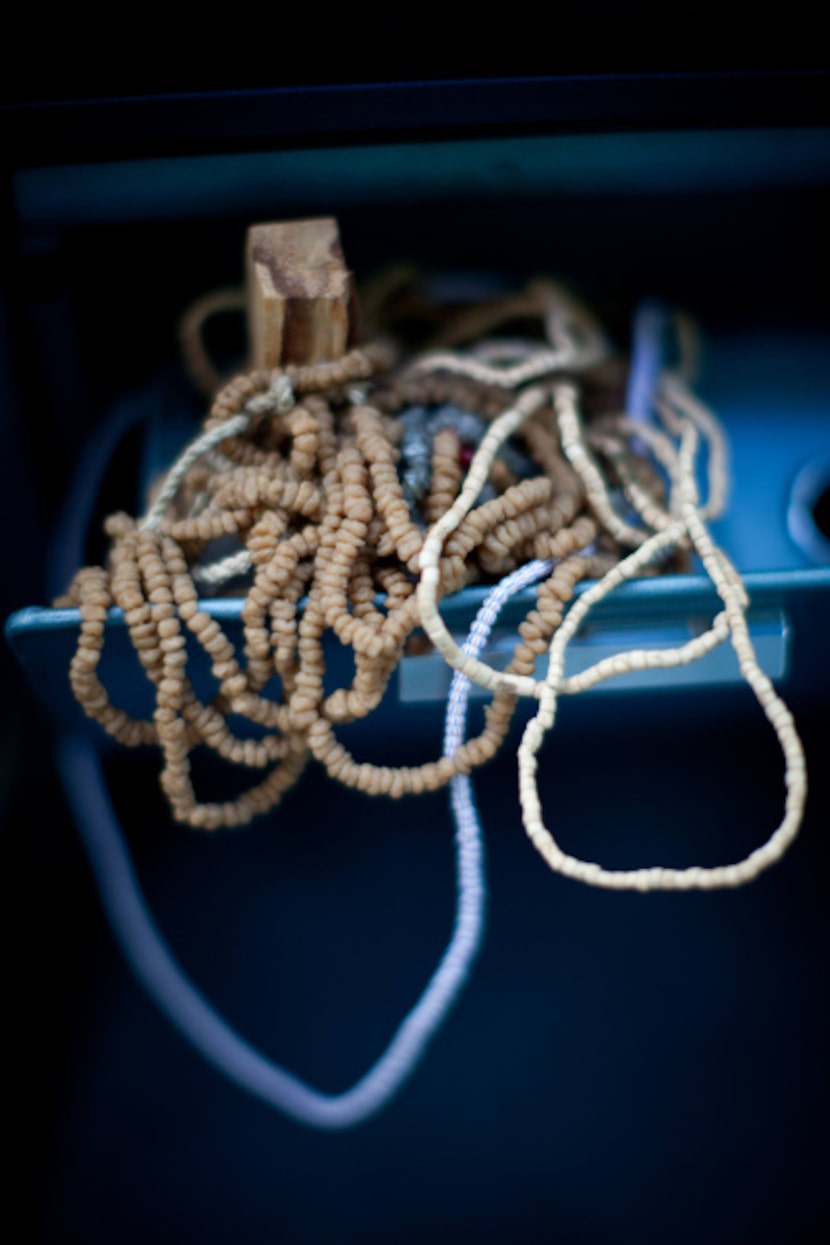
x=731, y=622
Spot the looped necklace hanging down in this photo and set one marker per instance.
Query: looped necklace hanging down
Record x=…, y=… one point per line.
x=683, y=416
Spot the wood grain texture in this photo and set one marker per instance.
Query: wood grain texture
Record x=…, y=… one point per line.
x=301, y=299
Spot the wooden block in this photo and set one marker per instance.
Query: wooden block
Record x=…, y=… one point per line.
x=301, y=301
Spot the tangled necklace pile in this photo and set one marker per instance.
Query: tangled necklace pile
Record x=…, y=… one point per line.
x=345, y=500
x=349, y=498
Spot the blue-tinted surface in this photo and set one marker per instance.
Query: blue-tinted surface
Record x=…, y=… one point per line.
x=636, y=164
x=775, y=397
x=621, y=1067
x=773, y=393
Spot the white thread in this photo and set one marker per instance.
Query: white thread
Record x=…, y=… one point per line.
x=279, y=397
x=543, y=363
x=483, y=624
x=575, y=343
x=208, y=440
x=468, y=831
x=523, y=685
x=217, y=573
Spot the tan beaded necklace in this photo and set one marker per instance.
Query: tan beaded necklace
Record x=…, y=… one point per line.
x=321, y=514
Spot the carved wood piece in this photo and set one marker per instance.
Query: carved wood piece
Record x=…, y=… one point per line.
x=301, y=299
